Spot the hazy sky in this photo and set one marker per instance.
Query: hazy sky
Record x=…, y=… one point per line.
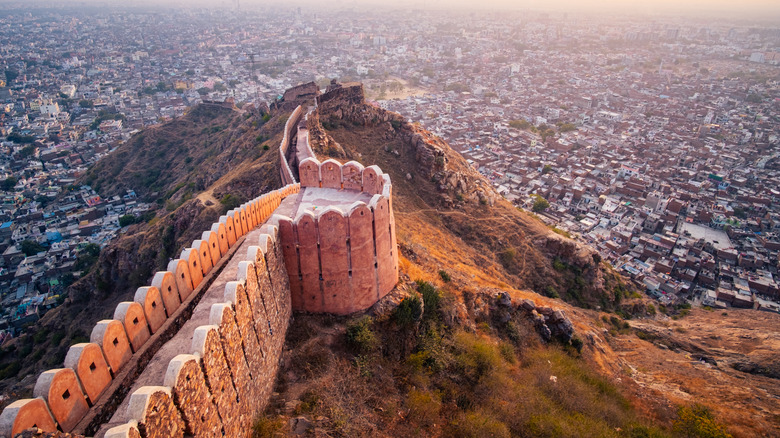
x=767, y=9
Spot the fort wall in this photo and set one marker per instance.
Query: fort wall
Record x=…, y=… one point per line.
x=290, y=129
x=196, y=352
x=211, y=377
x=341, y=260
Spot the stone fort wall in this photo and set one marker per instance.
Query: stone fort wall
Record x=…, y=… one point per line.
x=341, y=260
x=290, y=128
x=217, y=383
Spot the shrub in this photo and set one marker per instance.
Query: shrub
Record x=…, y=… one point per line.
x=230, y=202
x=424, y=407
x=408, y=311
x=559, y=265
x=550, y=292
x=431, y=298
x=444, y=276
x=697, y=421
x=264, y=427
x=577, y=343
x=507, y=256
x=475, y=357
x=478, y=425
x=651, y=309
x=360, y=337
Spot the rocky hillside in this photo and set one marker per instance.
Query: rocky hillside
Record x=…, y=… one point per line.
x=191, y=171
x=457, y=233
x=435, y=188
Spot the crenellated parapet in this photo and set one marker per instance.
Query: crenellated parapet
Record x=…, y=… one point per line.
x=97, y=375
x=340, y=247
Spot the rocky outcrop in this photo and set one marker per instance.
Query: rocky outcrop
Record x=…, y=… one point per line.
x=550, y=323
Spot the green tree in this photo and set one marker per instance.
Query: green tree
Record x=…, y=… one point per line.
x=9, y=183
x=84, y=103
x=546, y=169
x=31, y=247
x=126, y=220
x=519, y=124
x=540, y=204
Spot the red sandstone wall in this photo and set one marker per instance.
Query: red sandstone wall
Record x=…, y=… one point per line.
x=229, y=366
x=340, y=262
x=289, y=127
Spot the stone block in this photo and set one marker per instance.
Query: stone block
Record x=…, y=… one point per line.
x=90, y=365
x=110, y=335
x=183, y=278
x=352, y=176
x=213, y=242
x=131, y=315
x=24, y=414
x=223, y=317
x=61, y=390
x=244, y=220
x=288, y=237
x=256, y=255
x=154, y=310
x=165, y=282
x=262, y=203
x=362, y=257
x=191, y=256
x=330, y=173
x=309, y=262
x=386, y=272
x=221, y=237
x=227, y=222
x=333, y=235
x=247, y=275
x=309, y=172
x=204, y=254
x=235, y=293
x=153, y=408
x=280, y=281
x=206, y=343
x=191, y=395
x=128, y=430
x=372, y=180
x=237, y=225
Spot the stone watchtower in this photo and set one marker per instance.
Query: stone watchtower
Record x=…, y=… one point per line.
x=338, y=237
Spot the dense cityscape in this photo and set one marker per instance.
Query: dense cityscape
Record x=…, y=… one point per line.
x=655, y=140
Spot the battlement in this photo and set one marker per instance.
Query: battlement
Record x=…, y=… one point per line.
x=92, y=387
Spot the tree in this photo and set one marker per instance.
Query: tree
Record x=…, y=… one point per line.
x=566, y=127
x=31, y=247
x=540, y=204
x=126, y=220
x=9, y=183
x=519, y=124
x=20, y=139
x=84, y=103
x=546, y=169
